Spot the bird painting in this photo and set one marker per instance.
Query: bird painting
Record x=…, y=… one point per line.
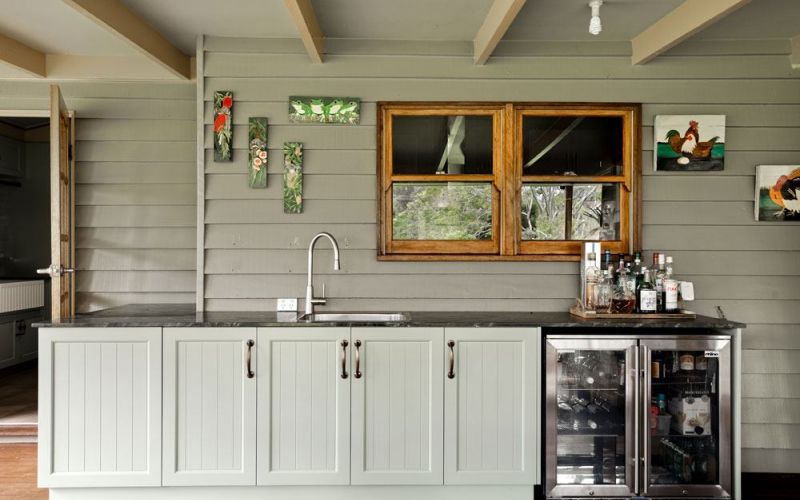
x=777, y=193
x=324, y=109
x=690, y=145
x=687, y=151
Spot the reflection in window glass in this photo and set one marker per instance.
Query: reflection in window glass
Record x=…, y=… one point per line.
x=581, y=211
x=572, y=145
x=429, y=145
x=441, y=211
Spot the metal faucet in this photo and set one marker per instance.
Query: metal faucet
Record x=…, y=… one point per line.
x=311, y=301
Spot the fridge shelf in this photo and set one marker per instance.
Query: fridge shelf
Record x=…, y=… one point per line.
x=584, y=433
x=590, y=388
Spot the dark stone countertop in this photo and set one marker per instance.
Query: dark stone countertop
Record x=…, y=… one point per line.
x=183, y=315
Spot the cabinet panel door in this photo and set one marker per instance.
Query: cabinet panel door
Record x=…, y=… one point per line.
x=26, y=337
x=397, y=406
x=491, y=405
x=304, y=406
x=209, y=407
x=6, y=344
x=99, y=407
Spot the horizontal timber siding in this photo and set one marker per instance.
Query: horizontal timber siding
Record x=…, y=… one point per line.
x=135, y=187
x=254, y=253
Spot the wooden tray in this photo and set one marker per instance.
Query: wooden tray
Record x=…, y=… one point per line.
x=576, y=311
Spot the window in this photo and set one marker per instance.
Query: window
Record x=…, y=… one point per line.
x=505, y=181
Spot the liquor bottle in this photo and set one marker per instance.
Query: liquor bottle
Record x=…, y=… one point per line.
x=607, y=263
x=592, y=277
x=660, y=276
x=647, y=297
x=620, y=265
x=638, y=284
x=603, y=293
x=637, y=263
x=668, y=267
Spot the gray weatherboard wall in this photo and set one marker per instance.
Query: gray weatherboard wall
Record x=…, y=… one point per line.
x=135, y=187
x=255, y=253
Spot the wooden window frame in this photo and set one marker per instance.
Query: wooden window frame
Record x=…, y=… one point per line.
x=507, y=181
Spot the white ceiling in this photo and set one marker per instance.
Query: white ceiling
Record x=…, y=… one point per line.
x=182, y=20
x=53, y=27
x=758, y=19
x=568, y=20
x=402, y=19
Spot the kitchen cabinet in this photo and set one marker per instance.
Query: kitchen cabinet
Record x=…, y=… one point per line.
x=303, y=428
x=26, y=337
x=491, y=392
x=99, y=407
x=12, y=159
x=397, y=406
x=7, y=331
x=18, y=338
x=209, y=406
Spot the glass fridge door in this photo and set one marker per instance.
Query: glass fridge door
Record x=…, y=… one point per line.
x=686, y=417
x=592, y=386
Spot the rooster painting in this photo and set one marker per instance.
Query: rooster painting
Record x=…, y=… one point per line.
x=777, y=193
x=676, y=151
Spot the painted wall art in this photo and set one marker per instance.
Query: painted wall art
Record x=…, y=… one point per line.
x=689, y=143
x=303, y=109
x=293, y=177
x=257, y=140
x=223, y=125
x=777, y=193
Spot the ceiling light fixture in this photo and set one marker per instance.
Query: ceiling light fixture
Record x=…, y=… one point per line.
x=595, y=26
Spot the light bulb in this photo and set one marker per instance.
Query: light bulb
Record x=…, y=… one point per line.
x=595, y=26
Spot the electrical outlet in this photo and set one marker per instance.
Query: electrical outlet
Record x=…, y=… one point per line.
x=285, y=305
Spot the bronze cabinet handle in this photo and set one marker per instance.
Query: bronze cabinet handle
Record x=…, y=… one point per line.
x=344, y=345
x=451, y=373
x=357, y=373
x=250, y=344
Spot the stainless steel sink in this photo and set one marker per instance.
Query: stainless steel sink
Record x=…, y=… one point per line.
x=355, y=317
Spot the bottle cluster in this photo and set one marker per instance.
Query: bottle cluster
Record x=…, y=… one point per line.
x=623, y=284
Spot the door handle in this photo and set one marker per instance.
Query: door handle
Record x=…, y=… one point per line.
x=344, y=345
x=55, y=270
x=357, y=372
x=451, y=373
x=250, y=344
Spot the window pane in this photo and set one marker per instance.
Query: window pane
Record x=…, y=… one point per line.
x=572, y=145
x=441, y=211
x=427, y=145
x=581, y=211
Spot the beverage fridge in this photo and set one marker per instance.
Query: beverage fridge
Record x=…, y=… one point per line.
x=630, y=416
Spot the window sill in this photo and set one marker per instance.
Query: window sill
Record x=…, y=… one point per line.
x=478, y=257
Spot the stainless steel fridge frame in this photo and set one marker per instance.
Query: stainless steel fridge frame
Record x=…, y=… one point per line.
x=638, y=351
x=597, y=343
x=722, y=344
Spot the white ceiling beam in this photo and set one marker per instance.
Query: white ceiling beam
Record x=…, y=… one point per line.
x=117, y=18
x=302, y=13
x=796, y=52
x=687, y=19
x=22, y=57
x=500, y=16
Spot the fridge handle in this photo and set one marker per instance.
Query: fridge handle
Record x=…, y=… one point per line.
x=637, y=408
x=645, y=416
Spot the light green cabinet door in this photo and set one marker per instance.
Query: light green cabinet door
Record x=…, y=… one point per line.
x=304, y=406
x=492, y=398
x=209, y=406
x=397, y=406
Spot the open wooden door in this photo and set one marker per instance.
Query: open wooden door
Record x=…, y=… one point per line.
x=62, y=208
